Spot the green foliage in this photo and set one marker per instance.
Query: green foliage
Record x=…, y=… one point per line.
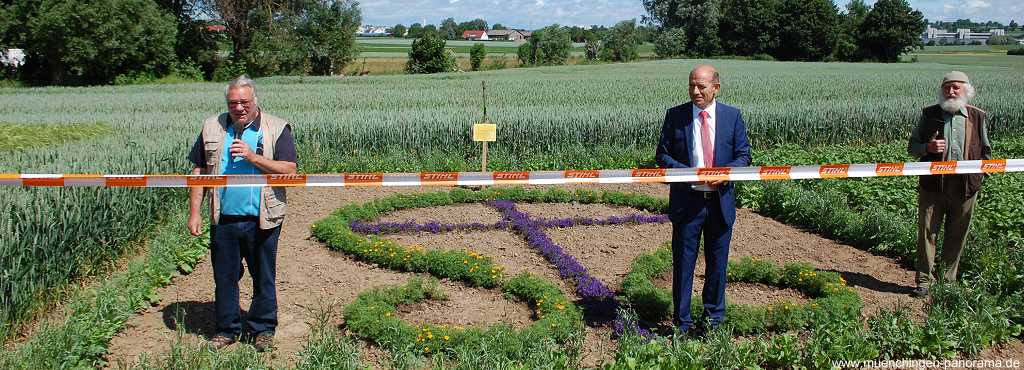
x=399, y=30
x=93, y=317
x=890, y=29
x=428, y=55
x=228, y=71
x=477, y=55
x=749, y=27
x=75, y=43
x=810, y=31
x=1001, y=40
x=20, y=136
x=1017, y=51
x=620, y=43
x=831, y=297
x=895, y=333
x=551, y=45
x=559, y=324
x=328, y=35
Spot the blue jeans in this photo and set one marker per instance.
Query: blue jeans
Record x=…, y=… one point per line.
x=686, y=235
x=234, y=239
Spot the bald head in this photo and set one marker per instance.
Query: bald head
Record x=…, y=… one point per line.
x=704, y=85
x=705, y=71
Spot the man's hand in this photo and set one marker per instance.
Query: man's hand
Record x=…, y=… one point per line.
x=240, y=149
x=936, y=145
x=719, y=182
x=195, y=224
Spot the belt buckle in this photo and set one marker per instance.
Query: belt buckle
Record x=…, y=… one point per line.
x=708, y=194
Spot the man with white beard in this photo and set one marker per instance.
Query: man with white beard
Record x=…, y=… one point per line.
x=951, y=130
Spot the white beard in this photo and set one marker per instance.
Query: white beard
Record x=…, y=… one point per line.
x=953, y=105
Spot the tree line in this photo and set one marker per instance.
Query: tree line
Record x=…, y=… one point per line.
x=803, y=30
x=69, y=42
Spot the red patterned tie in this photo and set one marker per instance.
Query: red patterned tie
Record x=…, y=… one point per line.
x=706, y=140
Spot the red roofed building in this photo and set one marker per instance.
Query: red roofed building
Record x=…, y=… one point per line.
x=475, y=35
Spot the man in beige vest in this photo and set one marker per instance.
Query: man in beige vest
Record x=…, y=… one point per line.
x=951, y=130
x=245, y=221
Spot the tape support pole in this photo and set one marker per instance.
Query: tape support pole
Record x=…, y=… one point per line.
x=653, y=175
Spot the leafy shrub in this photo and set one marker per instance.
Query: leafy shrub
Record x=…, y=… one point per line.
x=429, y=55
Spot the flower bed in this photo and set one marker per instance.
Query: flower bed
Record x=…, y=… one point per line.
x=831, y=297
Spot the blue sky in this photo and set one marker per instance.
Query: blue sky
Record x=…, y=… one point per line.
x=531, y=14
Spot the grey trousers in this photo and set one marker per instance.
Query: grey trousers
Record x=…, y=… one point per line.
x=950, y=210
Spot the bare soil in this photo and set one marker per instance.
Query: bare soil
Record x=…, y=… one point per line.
x=310, y=275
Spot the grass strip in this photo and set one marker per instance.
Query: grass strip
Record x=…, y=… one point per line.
x=93, y=317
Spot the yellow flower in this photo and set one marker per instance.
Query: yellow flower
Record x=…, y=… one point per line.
x=446, y=338
x=426, y=349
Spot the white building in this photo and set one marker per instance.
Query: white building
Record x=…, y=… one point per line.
x=13, y=58
x=371, y=31
x=961, y=36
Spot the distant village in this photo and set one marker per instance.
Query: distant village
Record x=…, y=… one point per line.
x=472, y=35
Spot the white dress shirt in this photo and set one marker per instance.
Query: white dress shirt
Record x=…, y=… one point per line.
x=697, y=149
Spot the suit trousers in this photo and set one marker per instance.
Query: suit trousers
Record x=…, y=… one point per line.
x=951, y=210
x=710, y=224
x=232, y=240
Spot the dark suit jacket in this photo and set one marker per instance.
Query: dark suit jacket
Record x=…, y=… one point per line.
x=731, y=150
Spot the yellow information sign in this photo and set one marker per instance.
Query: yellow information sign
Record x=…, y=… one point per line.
x=485, y=132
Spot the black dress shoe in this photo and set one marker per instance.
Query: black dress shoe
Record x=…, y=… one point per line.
x=919, y=292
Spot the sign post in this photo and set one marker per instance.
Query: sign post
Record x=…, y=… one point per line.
x=485, y=131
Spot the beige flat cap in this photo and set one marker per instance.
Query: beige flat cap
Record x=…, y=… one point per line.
x=956, y=76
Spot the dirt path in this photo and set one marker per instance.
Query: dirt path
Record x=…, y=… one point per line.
x=309, y=274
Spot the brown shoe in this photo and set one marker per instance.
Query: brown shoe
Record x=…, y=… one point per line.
x=264, y=343
x=221, y=341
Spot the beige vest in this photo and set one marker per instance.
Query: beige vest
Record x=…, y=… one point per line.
x=272, y=206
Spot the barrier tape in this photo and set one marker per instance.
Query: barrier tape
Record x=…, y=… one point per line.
x=653, y=175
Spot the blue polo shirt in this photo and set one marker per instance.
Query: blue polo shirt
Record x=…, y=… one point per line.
x=244, y=201
x=241, y=201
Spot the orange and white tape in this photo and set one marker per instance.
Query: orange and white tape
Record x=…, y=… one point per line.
x=654, y=175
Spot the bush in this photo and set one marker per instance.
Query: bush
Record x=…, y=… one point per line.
x=620, y=43
x=95, y=42
x=228, y=70
x=476, y=55
x=670, y=43
x=1002, y=40
x=1017, y=51
x=428, y=55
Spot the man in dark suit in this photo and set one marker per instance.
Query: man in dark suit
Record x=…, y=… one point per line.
x=702, y=133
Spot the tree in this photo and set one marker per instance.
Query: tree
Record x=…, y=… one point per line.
x=473, y=25
x=328, y=35
x=476, y=55
x=415, y=31
x=847, y=47
x=429, y=55
x=527, y=52
x=593, y=47
x=620, y=43
x=429, y=29
x=670, y=43
x=241, y=16
x=553, y=45
x=749, y=27
x=699, y=19
x=398, y=30
x=1002, y=40
x=1013, y=25
x=92, y=42
x=448, y=29
x=810, y=31
x=891, y=28
x=497, y=26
